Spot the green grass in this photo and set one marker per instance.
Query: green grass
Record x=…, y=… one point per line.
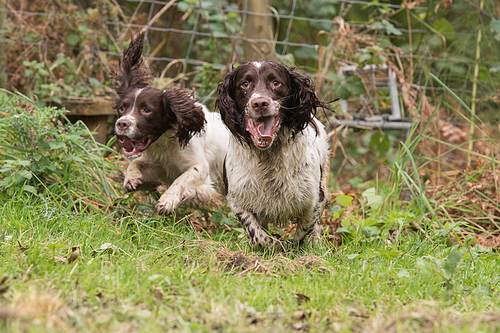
x=407, y=262
x=144, y=274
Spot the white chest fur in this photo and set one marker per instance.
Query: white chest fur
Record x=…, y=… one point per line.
x=279, y=183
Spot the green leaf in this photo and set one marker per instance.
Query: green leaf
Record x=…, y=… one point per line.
x=56, y=144
x=344, y=200
x=43, y=145
x=341, y=91
x=371, y=231
x=382, y=57
x=56, y=99
x=23, y=162
x=380, y=143
x=389, y=254
x=355, y=181
x=55, y=246
x=355, y=85
x=403, y=273
x=73, y=39
x=306, y=53
x=346, y=223
x=495, y=26
x=70, y=157
x=24, y=174
x=355, y=255
x=94, y=82
x=365, y=57
x=424, y=268
x=391, y=29
x=30, y=189
x=334, y=77
x=451, y=263
x=445, y=27
x=373, y=199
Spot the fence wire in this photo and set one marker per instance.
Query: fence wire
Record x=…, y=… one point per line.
x=205, y=14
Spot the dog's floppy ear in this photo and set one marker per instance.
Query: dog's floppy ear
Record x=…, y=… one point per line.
x=132, y=72
x=188, y=115
x=304, y=101
x=227, y=106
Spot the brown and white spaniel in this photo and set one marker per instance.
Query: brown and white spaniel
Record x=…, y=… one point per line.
x=277, y=159
x=175, y=140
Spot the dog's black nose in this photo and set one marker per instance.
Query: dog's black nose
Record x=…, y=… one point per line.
x=260, y=104
x=123, y=124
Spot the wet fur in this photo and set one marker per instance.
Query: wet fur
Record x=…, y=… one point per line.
x=189, y=142
x=286, y=182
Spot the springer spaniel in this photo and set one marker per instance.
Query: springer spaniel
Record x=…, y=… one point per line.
x=174, y=140
x=277, y=160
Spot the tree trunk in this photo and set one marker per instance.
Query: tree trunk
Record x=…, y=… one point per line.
x=258, y=27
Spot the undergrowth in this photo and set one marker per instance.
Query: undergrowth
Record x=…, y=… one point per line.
x=78, y=255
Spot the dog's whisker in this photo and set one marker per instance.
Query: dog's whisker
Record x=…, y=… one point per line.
x=289, y=108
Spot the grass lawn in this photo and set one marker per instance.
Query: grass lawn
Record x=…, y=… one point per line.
x=141, y=274
x=75, y=256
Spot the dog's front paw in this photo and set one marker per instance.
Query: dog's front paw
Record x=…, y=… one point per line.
x=132, y=184
x=165, y=206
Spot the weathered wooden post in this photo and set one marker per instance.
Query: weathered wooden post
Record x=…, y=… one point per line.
x=258, y=27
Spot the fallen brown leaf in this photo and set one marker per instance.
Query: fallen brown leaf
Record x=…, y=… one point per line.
x=299, y=315
x=59, y=259
x=74, y=254
x=21, y=247
x=3, y=289
x=301, y=298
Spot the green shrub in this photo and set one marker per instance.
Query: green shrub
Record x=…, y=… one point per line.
x=42, y=152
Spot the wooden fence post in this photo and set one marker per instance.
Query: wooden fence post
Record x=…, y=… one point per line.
x=258, y=27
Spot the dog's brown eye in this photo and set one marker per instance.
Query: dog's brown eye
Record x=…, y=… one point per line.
x=276, y=83
x=146, y=110
x=245, y=84
x=121, y=109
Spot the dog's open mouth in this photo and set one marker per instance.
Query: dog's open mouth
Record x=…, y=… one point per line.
x=133, y=148
x=263, y=130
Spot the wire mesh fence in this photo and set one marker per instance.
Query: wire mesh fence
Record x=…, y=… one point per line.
x=223, y=23
x=192, y=43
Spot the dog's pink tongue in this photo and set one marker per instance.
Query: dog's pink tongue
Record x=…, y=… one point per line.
x=142, y=145
x=265, y=128
x=127, y=144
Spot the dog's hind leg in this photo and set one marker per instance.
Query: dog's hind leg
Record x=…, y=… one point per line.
x=184, y=188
